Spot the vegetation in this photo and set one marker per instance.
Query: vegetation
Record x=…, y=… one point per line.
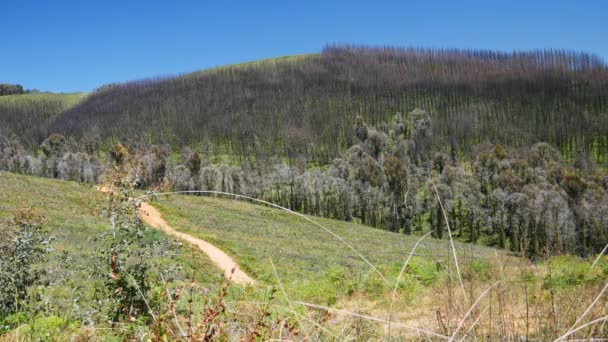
x=508, y=152
x=301, y=251
x=10, y=89
x=61, y=290
x=23, y=244
x=539, y=301
x=527, y=200
x=303, y=107
x=25, y=115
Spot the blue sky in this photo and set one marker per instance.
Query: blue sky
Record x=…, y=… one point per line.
x=80, y=45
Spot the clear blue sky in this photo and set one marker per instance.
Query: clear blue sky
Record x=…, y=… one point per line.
x=80, y=45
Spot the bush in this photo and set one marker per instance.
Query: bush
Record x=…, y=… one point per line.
x=567, y=271
x=11, y=321
x=119, y=153
x=322, y=292
x=478, y=269
x=424, y=271
x=23, y=243
x=45, y=328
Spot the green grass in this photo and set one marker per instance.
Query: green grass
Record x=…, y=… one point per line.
x=69, y=207
x=71, y=212
x=305, y=255
x=69, y=99
x=262, y=62
x=312, y=265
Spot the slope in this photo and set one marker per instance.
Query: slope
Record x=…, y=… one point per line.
x=313, y=267
x=305, y=105
x=516, y=298
x=304, y=255
x=72, y=214
x=26, y=115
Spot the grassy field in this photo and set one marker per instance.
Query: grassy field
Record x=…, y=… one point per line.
x=67, y=98
x=540, y=300
x=305, y=255
x=71, y=212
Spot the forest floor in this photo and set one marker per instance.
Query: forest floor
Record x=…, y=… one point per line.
x=153, y=218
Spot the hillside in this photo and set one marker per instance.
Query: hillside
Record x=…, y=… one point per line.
x=438, y=173
x=26, y=115
x=72, y=216
x=300, y=250
x=76, y=267
x=320, y=286
x=306, y=105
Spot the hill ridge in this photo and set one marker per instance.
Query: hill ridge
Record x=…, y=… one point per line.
x=304, y=106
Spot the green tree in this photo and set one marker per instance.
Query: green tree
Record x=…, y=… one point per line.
x=360, y=128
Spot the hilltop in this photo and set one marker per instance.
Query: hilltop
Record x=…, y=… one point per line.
x=304, y=106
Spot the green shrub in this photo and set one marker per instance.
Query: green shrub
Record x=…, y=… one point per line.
x=372, y=284
x=23, y=243
x=321, y=292
x=527, y=276
x=477, y=269
x=46, y=328
x=12, y=321
x=567, y=271
x=409, y=288
x=424, y=271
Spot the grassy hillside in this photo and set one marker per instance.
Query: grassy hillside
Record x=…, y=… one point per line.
x=314, y=267
x=71, y=211
x=306, y=105
x=302, y=252
x=76, y=267
x=26, y=115
x=540, y=300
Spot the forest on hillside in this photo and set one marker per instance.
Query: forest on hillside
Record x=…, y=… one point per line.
x=25, y=115
x=527, y=199
x=510, y=149
x=302, y=107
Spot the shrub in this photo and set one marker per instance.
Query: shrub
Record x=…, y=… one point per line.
x=126, y=258
x=119, y=153
x=478, y=269
x=567, y=271
x=40, y=329
x=23, y=243
x=322, y=292
x=424, y=271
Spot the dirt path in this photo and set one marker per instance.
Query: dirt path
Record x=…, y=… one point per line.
x=152, y=217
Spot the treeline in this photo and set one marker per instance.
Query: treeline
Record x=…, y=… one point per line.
x=10, y=89
x=57, y=157
x=526, y=199
x=301, y=107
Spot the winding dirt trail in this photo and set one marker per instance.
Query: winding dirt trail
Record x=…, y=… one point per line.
x=152, y=217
